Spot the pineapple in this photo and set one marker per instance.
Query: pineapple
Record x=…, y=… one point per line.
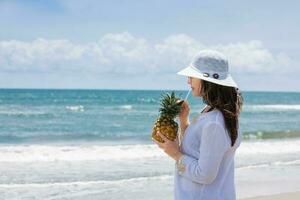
x=165, y=124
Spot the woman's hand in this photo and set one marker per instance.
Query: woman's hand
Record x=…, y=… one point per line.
x=185, y=111
x=170, y=147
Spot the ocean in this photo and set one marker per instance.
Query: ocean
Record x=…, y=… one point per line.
x=96, y=144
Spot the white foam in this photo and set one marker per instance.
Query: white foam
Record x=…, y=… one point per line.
x=271, y=107
x=46, y=153
x=148, y=100
x=93, y=152
x=269, y=147
x=84, y=183
x=19, y=113
x=126, y=107
x=78, y=108
x=276, y=163
x=281, y=163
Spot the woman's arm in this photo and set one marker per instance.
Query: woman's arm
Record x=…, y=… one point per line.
x=214, y=144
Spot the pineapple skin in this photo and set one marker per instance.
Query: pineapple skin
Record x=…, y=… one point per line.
x=166, y=126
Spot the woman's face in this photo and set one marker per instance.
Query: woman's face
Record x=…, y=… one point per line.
x=195, y=84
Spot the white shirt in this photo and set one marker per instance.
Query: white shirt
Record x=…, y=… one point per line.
x=206, y=169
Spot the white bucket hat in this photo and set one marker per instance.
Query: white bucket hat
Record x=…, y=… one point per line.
x=211, y=66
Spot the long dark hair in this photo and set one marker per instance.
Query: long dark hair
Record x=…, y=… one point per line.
x=228, y=100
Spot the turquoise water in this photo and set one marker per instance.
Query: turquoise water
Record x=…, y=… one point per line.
x=95, y=144
x=103, y=115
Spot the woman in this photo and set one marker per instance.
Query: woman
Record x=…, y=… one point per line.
x=204, y=152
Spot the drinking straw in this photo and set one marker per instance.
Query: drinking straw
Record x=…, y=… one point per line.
x=188, y=94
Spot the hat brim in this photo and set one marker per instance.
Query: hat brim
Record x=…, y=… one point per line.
x=189, y=71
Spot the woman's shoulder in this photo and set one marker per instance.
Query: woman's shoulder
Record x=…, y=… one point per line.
x=212, y=117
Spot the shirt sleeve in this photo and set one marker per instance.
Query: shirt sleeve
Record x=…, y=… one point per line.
x=213, y=146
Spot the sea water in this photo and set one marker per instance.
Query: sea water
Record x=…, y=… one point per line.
x=96, y=144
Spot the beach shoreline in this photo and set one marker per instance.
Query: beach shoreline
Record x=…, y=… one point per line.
x=84, y=144
x=281, y=196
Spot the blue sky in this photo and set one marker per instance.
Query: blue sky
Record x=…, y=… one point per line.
x=142, y=44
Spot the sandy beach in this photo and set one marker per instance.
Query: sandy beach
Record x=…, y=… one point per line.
x=283, y=196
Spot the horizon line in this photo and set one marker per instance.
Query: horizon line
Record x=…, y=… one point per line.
x=163, y=89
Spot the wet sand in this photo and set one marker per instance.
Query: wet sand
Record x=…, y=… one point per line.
x=283, y=196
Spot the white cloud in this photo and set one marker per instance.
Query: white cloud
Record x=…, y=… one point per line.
x=124, y=53
x=176, y=51
x=250, y=57
x=39, y=55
